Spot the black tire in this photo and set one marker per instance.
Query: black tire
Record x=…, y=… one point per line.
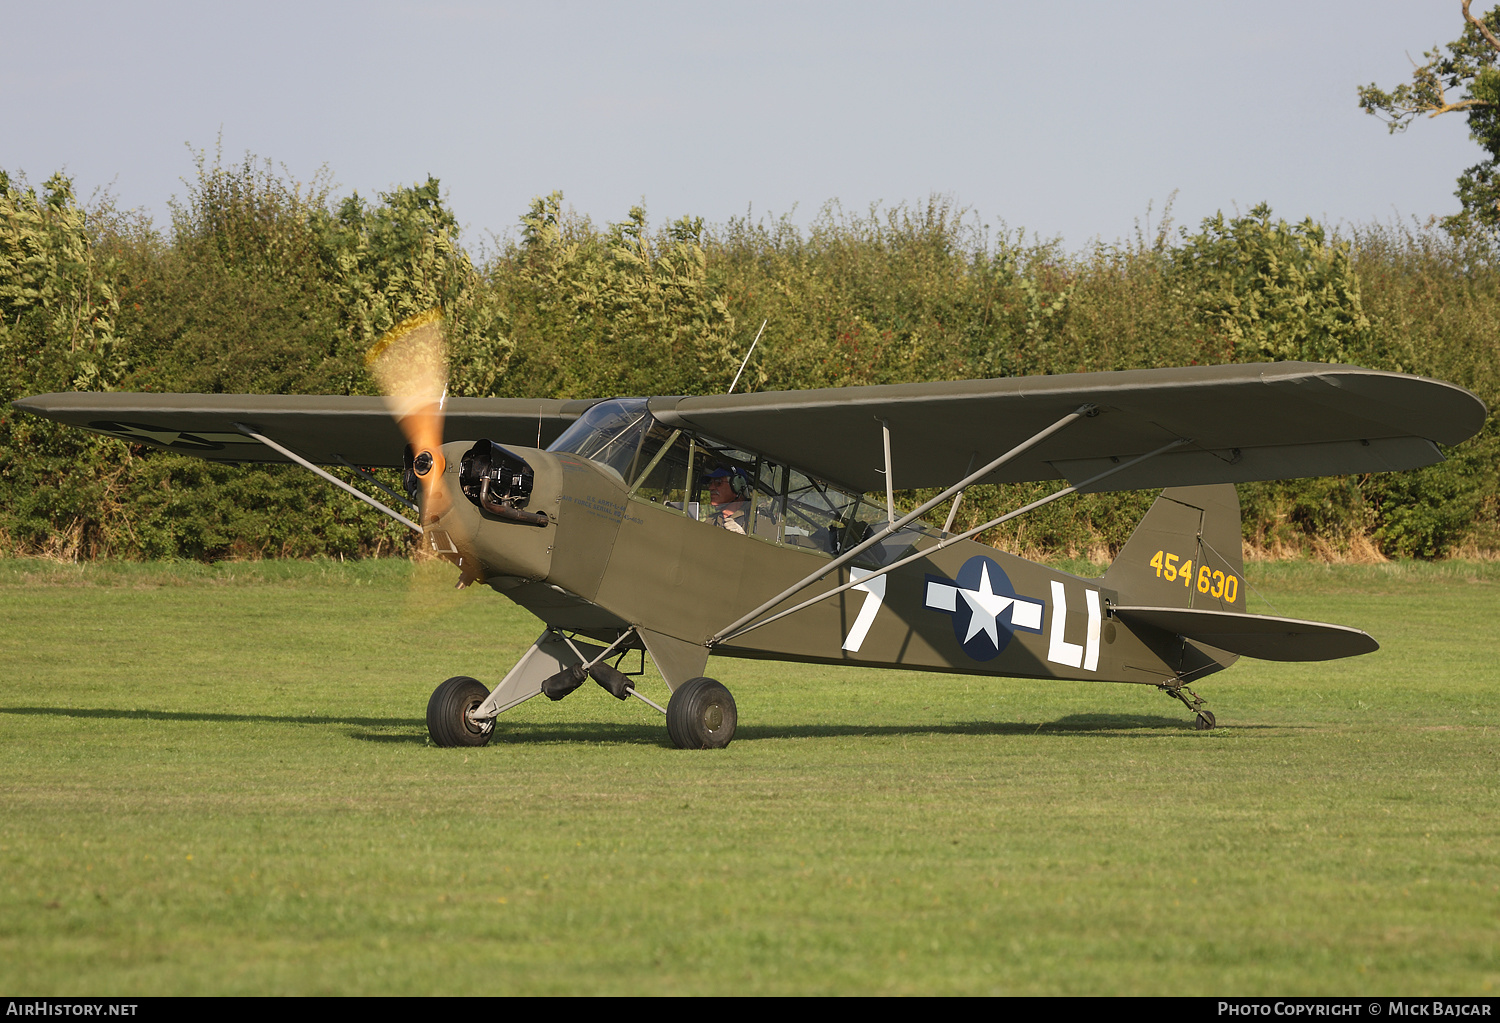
x=701, y=715
x=448, y=713
x=1205, y=720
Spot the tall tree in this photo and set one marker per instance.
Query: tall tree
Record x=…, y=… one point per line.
x=1468, y=68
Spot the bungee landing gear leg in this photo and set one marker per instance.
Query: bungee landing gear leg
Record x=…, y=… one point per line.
x=1192, y=701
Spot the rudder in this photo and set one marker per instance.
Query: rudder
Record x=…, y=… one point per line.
x=1185, y=552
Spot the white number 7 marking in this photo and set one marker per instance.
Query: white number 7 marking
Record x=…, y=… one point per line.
x=874, y=591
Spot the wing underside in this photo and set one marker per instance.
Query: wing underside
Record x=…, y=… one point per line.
x=325, y=429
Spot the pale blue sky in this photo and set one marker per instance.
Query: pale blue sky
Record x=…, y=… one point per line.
x=1064, y=118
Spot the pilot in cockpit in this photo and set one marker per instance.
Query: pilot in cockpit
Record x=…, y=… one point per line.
x=729, y=495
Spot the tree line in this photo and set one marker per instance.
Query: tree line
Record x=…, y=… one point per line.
x=261, y=284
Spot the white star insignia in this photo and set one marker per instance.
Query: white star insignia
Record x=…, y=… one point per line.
x=986, y=607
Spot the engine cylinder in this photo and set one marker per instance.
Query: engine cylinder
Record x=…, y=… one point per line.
x=499, y=482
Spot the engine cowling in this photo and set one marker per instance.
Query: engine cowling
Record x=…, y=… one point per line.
x=484, y=534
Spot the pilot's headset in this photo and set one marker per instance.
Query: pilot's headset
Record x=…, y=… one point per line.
x=739, y=481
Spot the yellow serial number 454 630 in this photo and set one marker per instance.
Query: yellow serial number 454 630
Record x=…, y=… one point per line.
x=1210, y=581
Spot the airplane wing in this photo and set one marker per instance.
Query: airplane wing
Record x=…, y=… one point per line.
x=1262, y=636
x=322, y=428
x=1244, y=422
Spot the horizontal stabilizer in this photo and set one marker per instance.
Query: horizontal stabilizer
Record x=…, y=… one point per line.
x=1262, y=636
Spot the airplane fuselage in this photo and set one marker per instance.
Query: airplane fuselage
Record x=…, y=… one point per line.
x=609, y=559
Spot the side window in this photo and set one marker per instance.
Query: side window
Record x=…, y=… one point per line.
x=770, y=496
x=735, y=512
x=646, y=456
x=669, y=481
x=862, y=521
x=817, y=515
x=868, y=519
x=781, y=505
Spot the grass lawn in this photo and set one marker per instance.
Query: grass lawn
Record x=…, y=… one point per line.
x=216, y=780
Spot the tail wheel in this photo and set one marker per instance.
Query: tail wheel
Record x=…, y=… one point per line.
x=448, y=712
x=701, y=715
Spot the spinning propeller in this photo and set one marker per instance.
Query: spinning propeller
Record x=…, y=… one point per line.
x=410, y=362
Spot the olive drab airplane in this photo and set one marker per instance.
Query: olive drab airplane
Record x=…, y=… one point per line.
x=764, y=525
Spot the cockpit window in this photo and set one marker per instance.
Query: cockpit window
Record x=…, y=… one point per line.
x=778, y=503
x=774, y=502
x=609, y=433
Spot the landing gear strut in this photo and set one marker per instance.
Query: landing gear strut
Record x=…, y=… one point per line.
x=1193, y=702
x=700, y=715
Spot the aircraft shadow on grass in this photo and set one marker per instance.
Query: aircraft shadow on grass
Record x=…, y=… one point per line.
x=1104, y=726
x=183, y=715
x=412, y=730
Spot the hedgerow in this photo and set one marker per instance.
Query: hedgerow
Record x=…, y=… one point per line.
x=264, y=285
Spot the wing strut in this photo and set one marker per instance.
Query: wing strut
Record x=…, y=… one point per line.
x=953, y=512
x=369, y=478
x=366, y=498
x=891, y=527
x=890, y=486
x=735, y=631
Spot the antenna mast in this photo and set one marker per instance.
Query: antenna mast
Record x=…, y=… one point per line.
x=747, y=355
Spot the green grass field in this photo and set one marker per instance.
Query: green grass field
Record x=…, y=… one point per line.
x=216, y=780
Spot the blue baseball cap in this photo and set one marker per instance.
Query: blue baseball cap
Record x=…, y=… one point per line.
x=723, y=473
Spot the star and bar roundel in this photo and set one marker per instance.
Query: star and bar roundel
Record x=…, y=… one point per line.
x=985, y=607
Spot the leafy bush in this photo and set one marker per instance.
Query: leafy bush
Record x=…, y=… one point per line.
x=1272, y=291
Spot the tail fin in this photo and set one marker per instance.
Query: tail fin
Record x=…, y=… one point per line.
x=1185, y=553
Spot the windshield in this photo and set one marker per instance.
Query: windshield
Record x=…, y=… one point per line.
x=609, y=433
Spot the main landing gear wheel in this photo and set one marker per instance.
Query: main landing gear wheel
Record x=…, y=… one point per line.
x=1205, y=720
x=701, y=715
x=448, y=713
